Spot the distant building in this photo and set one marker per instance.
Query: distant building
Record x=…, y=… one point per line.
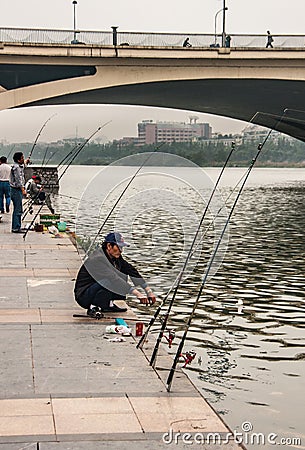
x=126, y=140
x=150, y=132
x=256, y=133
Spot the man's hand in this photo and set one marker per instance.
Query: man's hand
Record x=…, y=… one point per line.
x=150, y=295
x=147, y=300
x=151, y=299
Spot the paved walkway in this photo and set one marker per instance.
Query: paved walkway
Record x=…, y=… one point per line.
x=64, y=384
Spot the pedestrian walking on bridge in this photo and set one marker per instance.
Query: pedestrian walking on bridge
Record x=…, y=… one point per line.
x=269, y=40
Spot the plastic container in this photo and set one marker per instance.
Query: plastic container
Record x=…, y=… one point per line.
x=62, y=226
x=118, y=329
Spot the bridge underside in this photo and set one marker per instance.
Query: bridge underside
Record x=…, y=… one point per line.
x=276, y=104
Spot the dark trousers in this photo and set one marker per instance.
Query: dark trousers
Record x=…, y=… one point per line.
x=5, y=191
x=98, y=296
x=16, y=197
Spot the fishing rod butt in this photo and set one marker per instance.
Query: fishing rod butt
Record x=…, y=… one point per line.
x=169, y=380
x=142, y=341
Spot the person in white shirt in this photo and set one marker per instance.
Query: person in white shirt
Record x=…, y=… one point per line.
x=5, y=170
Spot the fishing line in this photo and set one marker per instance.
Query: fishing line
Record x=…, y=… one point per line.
x=44, y=156
x=68, y=159
x=192, y=251
x=67, y=196
x=121, y=195
x=171, y=302
x=10, y=152
x=63, y=173
x=209, y=266
x=39, y=133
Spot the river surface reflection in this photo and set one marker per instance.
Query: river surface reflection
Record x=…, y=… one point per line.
x=248, y=331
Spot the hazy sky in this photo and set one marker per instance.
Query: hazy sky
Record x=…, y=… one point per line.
x=196, y=16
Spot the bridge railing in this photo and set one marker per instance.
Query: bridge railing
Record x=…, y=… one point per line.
x=48, y=36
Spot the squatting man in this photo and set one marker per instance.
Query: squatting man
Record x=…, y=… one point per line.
x=103, y=278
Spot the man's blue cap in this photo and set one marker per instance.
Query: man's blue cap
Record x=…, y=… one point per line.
x=116, y=238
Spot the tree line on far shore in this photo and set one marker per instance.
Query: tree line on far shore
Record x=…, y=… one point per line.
x=279, y=153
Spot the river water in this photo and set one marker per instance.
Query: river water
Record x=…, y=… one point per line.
x=248, y=331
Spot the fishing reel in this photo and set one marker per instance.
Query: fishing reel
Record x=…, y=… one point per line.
x=170, y=337
x=188, y=357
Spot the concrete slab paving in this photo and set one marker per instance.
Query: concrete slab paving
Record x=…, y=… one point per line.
x=13, y=259
x=39, y=292
x=19, y=446
x=13, y=292
x=16, y=369
x=65, y=385
x=20, y=315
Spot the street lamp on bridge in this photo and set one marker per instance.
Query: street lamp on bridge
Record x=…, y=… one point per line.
x=215, y=28
x=75, y=41
x=224, y=8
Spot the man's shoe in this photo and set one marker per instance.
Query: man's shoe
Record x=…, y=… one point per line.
x=95, y=312
x=2, y=211
x=18, y=231
x=114, y=309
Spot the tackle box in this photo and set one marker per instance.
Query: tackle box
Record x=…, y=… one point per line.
x=49, y=219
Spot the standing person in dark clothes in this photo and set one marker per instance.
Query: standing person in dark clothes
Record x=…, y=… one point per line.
x=103, y=278
x=17, y=183
x=269, y=40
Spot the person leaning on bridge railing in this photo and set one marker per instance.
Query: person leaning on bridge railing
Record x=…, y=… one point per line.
x=187, y=43
x=228, y=41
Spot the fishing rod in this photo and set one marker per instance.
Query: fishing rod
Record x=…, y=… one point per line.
x=31, y=201
x=63, y=173
x=121, y=195
x=182, y=272
x=219, y=211
x=52, y=156
x=157, y=312
x=39, y=133
x=66, y=158
x=192, y=251
x=209, y=266
x=159, y=309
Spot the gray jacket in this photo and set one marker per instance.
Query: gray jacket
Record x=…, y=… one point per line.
x=17, y=176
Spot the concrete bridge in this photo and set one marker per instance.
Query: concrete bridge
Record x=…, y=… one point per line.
x=247, y=82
